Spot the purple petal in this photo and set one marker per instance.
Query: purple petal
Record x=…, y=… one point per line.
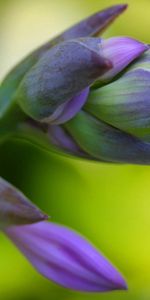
x=65, y=257
x=68, y=110
x=63, y=141
x=121, y=51
x=95, y=24
x=15, y=208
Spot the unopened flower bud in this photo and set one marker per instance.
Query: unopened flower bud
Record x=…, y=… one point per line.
x=91, y=26
x=88, y=96
x=60, y=75
x=62, y=255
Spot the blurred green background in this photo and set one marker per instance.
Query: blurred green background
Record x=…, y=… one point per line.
x=109, y=204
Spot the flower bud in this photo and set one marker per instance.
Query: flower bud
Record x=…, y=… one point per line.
x=75, y=83
x=91, y=26
x=56, y=88
x=125, y=103
x=104, y=142
x=60, y=75
x=65, y=257
x=15, y=208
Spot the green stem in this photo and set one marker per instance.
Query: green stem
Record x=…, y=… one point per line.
x=10, y=120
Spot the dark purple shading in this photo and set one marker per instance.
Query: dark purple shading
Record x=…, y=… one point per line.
x=62, y=73
x=15, y=208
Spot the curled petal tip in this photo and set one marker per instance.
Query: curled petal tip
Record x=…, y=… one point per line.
x=121, y=51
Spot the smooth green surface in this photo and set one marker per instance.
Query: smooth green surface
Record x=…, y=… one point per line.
x=109, y=204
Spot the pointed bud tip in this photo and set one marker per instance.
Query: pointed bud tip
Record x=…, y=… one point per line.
x=117, y=9
x=112, y=12
x=121, y=284
x=42, y=217
x=122, y=7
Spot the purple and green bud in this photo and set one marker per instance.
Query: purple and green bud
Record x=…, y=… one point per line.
x=85, y=95
x=56, y=88
x=91, y=26
x=66, y=94
x=96, y=133
x=104, y=142
x=60, y=75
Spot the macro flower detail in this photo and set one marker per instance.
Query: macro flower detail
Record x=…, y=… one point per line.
x=91, y=26
x=57, y=252
x=102, y=129
x=50, y=88
x=65, y=257
x=82, y=95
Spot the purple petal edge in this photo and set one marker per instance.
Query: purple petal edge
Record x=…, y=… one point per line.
x=121, y=51
x=68, y=110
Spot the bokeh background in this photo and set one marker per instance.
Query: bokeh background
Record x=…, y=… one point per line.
x=109, y=204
